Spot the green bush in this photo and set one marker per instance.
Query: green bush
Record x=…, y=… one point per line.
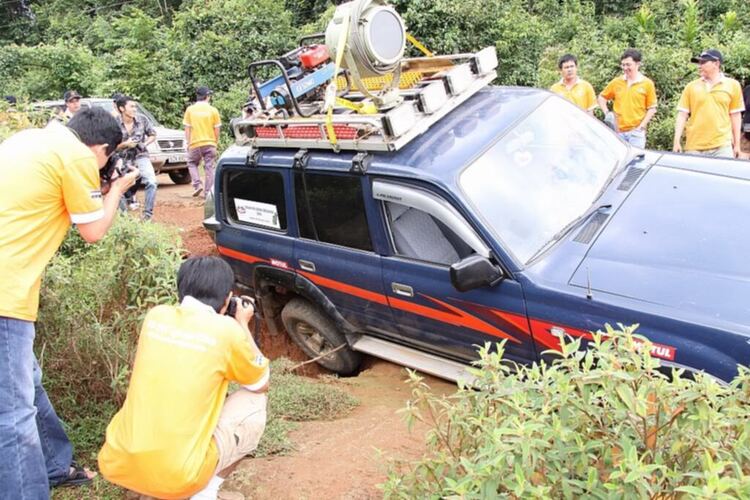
x=93, y=299
x=600, y=423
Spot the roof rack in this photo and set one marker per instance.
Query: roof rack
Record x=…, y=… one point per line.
x=429, y=88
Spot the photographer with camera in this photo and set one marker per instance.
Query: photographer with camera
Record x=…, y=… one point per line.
x=137, y=134
x=178, y=433
x=51, y=178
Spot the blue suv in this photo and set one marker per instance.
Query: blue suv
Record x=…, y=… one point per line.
x=515, y=217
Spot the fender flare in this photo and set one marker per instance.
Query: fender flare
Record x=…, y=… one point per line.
x=266, y=278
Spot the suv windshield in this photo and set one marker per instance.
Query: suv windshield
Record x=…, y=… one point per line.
x=110, y=106
x=543, y=174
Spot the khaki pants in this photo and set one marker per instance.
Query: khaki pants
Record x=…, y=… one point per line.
x=720, y=152
x=240, y=426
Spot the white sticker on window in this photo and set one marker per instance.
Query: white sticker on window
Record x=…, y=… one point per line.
x=255, y=212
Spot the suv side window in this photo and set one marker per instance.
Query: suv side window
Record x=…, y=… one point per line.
x=331, y=209
x=418, y=235
x=256, y=198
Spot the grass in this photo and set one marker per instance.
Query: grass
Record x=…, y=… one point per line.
x=292, y=399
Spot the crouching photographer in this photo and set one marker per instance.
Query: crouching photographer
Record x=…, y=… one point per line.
x=178, y=433
x=50, y=181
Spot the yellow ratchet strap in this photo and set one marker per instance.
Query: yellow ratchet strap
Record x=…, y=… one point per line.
x=363, y=108
x=339, y=56
x=424, y=50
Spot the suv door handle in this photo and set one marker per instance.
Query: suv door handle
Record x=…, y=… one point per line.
x=403, y=290
x=306, y=265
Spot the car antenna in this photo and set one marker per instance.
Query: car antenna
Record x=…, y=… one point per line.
x=589, y=295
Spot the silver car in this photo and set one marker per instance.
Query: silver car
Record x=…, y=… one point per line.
x=168, y=153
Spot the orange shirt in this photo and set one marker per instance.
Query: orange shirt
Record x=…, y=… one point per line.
x=710, y=107
x=631, y=101
x=581, y=93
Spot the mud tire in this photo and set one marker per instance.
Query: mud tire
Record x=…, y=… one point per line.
x=315, y=333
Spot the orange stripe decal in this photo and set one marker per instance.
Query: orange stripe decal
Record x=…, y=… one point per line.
x=457, y=317
x=239, y=255
x=344, y=288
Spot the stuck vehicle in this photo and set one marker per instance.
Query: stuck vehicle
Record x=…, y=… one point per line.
x=501, y=214
x=168, y=153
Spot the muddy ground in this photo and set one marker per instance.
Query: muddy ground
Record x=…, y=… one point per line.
x=340, y=459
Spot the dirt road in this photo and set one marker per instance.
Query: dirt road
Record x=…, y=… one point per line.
x=341, y=459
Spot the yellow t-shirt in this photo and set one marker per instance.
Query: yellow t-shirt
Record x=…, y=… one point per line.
x=160, y=442
x=630, y=101
x=202, y=118
x=48, y=179
x=709, y=125
x=581, y=93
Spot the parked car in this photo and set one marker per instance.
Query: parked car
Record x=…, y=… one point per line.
x=168, y=153
x=516, y=217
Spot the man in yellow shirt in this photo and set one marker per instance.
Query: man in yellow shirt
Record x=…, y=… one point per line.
x=50, y=179
x=178, y=433
x=202, y=125
x=634, y=100
x=578, y=91
x=712, y=107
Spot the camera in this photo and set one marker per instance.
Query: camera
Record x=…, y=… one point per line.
x=114, y=165
x=233, y=304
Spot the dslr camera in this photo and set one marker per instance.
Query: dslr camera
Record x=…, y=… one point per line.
x=234, y=304
x=114, y=165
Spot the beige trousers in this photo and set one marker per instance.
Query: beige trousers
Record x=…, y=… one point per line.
x=240, y=426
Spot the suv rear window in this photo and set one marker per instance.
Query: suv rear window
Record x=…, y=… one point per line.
x=336, y=209
x=256, y=198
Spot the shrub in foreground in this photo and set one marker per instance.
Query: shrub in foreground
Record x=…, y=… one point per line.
x=93, y=299
x=600, y=423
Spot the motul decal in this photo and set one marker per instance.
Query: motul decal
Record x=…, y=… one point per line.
x=279, y=263
x=548, y=334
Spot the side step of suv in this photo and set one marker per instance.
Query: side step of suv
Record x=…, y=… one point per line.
x=423, y=362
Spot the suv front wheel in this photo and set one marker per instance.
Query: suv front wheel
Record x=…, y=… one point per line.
x=316, y=334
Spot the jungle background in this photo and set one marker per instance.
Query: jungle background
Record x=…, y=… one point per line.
x=159, y=51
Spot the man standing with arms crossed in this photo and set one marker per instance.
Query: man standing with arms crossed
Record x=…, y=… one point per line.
x=202, y=125
x=712, y=107
x=50, y=180
x=579, y=92
x=634, y=100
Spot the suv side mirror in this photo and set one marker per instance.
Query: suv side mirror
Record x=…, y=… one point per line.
x=473, y=272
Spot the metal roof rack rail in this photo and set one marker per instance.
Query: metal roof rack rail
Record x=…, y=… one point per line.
x=429, y=88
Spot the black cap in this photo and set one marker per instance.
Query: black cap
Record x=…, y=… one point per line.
x=10, y=99
x=708, y=55
x=203, y=91
x=69, y=95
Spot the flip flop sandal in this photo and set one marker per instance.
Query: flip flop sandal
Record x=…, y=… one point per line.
x=77, y=477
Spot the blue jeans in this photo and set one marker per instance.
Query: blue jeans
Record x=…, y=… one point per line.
x=635, y=137
x=148, y=180
x=35, y=452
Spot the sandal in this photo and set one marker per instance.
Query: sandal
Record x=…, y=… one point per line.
x=77, y=477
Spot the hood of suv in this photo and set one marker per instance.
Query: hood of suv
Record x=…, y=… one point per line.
x=680, y=239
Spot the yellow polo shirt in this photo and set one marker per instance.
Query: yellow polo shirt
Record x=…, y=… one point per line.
x=581, y=93
x=202, y=118
x=48, y=179
x=631, y=102
x=161, y=442
x=709, y=125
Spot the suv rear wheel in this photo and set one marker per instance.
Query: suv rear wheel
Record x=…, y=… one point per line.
x=179, y=176
x=316, y=334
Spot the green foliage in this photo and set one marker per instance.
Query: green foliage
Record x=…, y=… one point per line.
x=600, y=423
x=92, y=301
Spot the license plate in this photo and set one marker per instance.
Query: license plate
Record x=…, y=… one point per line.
x=179, y=158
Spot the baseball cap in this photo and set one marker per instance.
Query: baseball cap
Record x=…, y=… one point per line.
x=69, y=95
x=203, y=91
x=708, y=55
